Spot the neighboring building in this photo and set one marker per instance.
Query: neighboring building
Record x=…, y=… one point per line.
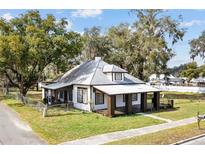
x=155, y=79
x=199, y=82
x=163, y=79
x=96, y=85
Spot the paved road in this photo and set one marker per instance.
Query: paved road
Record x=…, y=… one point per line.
x=13, y=131
x=199, y=141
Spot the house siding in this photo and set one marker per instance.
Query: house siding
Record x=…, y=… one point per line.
x=82, y=106
x=119, y=102
x=100, y=106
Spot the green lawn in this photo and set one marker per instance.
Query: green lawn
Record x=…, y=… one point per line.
x=61, y=126
x=185, y=105
x=165, y=137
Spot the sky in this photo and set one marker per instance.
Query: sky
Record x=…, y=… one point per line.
x=193, y=21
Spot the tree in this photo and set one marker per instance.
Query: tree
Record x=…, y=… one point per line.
x=198, y=47
x=120, y=37
x=96, y=44
x=29, y=43
x=191, y=71
x=150, y=47
x=176, y=70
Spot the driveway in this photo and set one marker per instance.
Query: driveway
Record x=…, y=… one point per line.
x=13, y=131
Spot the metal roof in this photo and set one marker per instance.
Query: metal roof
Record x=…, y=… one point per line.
x=113, y=68
x=126, y=89
x=90, y=73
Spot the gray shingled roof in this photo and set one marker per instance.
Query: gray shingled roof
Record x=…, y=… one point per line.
x=90, y=73
x=113, y=68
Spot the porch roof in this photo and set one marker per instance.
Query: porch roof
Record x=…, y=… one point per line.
x=126, y=89
x=55, y=86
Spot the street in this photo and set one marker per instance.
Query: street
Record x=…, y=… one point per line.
x=199, y=141
x=13, y=131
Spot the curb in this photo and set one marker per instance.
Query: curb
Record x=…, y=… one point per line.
x=189, y=139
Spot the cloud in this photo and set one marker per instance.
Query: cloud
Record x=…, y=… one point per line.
x=7, y=16
x=86, y=13
x=69, y=25
x=192, y=23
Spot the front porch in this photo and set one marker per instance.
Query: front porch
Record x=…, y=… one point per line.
x=58, y=96
x=119, y=111
x=129, y=108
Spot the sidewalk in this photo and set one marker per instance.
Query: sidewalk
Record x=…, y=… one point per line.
x=109, y=137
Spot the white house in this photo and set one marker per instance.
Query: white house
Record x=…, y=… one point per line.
x=96, y=85
x=163, y=79
x=200, y=81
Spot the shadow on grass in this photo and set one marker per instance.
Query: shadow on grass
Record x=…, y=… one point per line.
x=164, y=110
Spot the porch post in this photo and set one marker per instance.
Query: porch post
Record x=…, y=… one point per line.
x=56, y=95
x=110, y=108
x=128, y=103
x=156, y=100
x=143, y=102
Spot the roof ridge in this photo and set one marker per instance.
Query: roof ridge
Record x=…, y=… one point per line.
x=76, y=67
x=95, y=71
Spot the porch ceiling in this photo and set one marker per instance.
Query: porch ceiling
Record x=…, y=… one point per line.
x=126, y=89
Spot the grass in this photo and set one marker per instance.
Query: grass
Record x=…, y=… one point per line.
x=164, y=137
x=185, y=105
x=61, y=126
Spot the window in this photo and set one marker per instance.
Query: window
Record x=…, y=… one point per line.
x=70, y=95
x=134, y=97
x=118, y=76
x=61, y=95
x=82, y=95
x=99, y=98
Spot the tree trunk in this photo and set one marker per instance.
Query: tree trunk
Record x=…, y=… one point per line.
x=23, y=92
x=141, y=71
x=37, y=86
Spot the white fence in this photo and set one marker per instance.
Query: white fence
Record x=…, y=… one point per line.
x=182, y=89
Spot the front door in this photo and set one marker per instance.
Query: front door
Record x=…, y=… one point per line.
x=65, y=96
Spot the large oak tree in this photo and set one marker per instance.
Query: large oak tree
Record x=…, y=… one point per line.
x=143, y=48
x=29, y=43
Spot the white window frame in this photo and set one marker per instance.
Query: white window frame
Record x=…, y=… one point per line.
x=135, y=97
x=84, y=95
x=101, y=95
x=118, y=78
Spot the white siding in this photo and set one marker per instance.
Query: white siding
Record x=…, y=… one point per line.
x=119, y=102
x=138, y=100
x=100, y=106
x=81, y=106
